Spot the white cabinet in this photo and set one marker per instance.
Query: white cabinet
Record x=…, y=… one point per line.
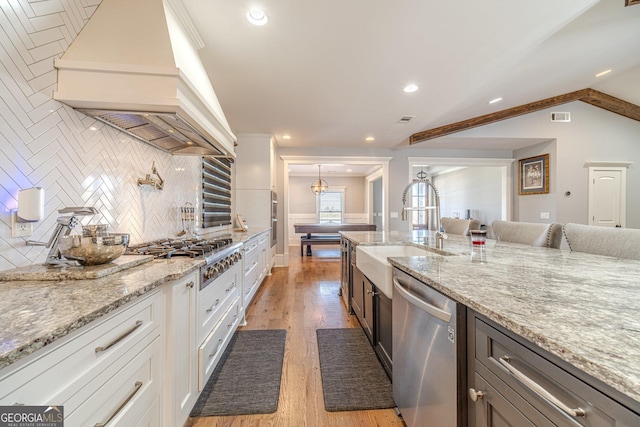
x=255, y=161
x=109, y=370
x=219, y=315
x=181, y=371
x=255, y=177
x=256, y=265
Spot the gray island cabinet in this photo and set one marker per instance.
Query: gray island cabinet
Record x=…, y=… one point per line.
x=551, y=335
x=513, y=383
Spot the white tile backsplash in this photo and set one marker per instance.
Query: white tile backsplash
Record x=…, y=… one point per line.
x=44, y=143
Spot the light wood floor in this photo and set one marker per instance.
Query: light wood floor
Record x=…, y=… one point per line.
x=302, y=298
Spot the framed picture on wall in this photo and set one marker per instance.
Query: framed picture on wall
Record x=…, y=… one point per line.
x=533, y=175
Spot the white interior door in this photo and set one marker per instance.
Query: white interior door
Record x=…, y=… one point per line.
x=607, y=197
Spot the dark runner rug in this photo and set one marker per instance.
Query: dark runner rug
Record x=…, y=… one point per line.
x=353, y=378
x=247, y=378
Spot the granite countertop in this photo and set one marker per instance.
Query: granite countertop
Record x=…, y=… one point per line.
x=36, y=313
x=580, y=307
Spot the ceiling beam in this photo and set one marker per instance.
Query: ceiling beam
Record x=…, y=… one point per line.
x=590, y=96
x=610, y=103
x=631, y=2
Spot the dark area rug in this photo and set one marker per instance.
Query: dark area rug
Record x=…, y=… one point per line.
x=353, y=378
x=247, y=378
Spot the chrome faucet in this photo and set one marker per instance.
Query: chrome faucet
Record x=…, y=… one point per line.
x=440, y=236
x=64, y=226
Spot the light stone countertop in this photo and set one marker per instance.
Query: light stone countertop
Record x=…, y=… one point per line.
x=36, y=313
x=579, y=307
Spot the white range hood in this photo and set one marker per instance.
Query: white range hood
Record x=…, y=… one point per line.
x=135, y=66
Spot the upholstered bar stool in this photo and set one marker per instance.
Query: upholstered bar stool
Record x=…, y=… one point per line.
x=615, y=242
x=528, y=233
x=459, y=226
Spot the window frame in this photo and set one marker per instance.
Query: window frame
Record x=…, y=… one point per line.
x=333, y=189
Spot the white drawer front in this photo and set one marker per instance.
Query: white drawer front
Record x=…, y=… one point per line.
x=211, y=350
x=120, y=395
x=84, y=355
x=214, y=300
x=250, y=285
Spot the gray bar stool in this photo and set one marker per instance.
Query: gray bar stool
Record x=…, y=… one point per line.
x=459, y=226
x=615, y=242
x=528, y=233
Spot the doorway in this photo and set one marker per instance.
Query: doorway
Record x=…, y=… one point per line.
x=382, y=164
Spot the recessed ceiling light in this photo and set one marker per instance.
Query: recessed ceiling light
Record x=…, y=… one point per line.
x=369, y=138
x=603, y=73
x=349, y=170
x=286, y=136
x=93, y=128
x=257, y=16
x=494, y=100
x=410, y=88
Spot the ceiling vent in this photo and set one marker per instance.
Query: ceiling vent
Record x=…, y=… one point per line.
x=406, y=119
x=561, y=117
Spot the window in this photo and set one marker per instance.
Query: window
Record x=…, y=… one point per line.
x=419, y=200
x=331, y=207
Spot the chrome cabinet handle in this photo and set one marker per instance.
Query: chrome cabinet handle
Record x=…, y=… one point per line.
x=539, y=390
x=474, y=394
x=235, y=316
x=136, y=388
x=217, y=349
x=422, y=305
x=209, y=310
x=120, y=338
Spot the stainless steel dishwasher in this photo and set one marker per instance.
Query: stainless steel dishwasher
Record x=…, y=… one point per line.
x=428, y=363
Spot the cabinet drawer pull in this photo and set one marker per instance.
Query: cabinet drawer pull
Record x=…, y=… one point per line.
x=120, y=338
x=229, y=325
x=136, y=388
x=217, y=349
x=539, y=390
x=190, y=285
x=209, y=310
x=230, y=288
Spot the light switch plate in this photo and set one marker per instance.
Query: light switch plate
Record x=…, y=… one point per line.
x=544, y=215
x=394, y=215
x=20, y=229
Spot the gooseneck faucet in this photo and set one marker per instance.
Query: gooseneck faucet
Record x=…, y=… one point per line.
x=440, y=236
x=64, y=226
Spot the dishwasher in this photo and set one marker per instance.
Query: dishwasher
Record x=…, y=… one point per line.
x=428, y=355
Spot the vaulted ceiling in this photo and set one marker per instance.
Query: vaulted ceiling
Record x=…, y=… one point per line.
x=331, y=73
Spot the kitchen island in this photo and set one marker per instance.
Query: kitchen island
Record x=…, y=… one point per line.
x=581, y=308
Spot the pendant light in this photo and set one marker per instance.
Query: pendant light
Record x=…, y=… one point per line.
x=320, y=186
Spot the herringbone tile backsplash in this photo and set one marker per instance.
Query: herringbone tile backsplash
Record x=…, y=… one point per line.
x=78, y=161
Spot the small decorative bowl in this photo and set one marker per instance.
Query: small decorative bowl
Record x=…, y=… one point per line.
x=93, y=250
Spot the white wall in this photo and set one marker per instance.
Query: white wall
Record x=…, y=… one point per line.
x=475, y=188
x=592, y=135
x=46, y=144
x=303, y=201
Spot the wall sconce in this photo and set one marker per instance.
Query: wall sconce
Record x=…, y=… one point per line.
x=320, y=186
x=31, y=204
x=30, y=209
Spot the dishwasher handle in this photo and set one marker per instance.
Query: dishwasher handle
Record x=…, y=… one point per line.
x=422, y=305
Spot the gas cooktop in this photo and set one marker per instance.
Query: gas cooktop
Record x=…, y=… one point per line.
x=167, y=248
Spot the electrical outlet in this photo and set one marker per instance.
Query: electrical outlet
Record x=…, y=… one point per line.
x=544, y=215
x=20, y=229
